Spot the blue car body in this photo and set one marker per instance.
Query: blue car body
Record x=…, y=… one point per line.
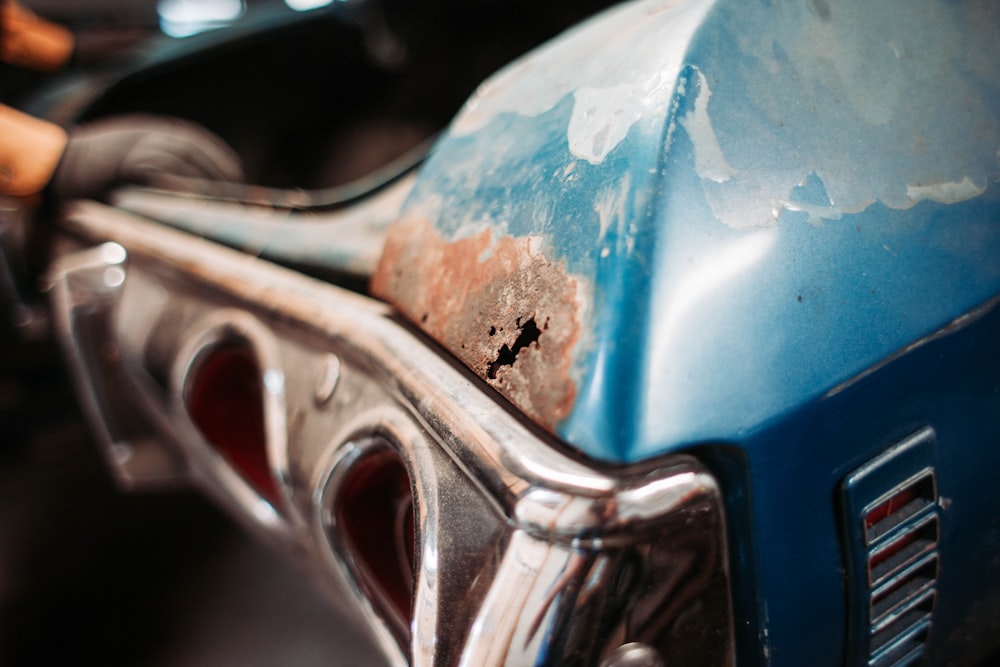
x=765, y=234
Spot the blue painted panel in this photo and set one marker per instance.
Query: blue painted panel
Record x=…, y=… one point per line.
x=764, y=200
x=786, y=216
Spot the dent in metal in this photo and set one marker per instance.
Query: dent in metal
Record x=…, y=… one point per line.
x=507, y=311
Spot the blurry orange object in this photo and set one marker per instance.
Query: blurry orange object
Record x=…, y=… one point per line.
x=27, y=40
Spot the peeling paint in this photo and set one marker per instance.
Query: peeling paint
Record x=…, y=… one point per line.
x=601, y=119
x=709, y=162
x=504, y=309
x=803, y=92
x=610, y=93
x=945, y=193
x=817, y=214
x=700, y=231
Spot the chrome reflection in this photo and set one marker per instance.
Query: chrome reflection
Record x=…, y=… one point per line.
x=184, y=18
x=308, y=5
x=488, y=545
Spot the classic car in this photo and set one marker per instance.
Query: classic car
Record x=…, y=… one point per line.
x=674, y=344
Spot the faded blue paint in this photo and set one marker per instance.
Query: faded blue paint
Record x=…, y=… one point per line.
x=810, y=196
x=811, y=190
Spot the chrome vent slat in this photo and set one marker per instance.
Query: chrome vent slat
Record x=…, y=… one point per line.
x=917, y=541
x=921, y=500
x=904, y=590
x=908, y=510
x=907, y=624
x=895, y=527
x=905, y=614
x=918, y=606
x=906, y=649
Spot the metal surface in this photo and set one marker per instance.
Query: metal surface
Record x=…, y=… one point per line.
x=781, y=220
x=749, y=206
x=634, y=655
x=89, y=282
x=523, y=555
x=762, y=235
x=514, y=320
x=280, y=230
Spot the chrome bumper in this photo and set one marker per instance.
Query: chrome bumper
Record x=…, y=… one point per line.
x=462, y=536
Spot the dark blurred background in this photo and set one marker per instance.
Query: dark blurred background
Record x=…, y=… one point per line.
x=89, y=575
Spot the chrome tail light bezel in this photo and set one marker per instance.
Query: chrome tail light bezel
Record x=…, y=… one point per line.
x=344, y=552
x=523, y=552
x=206, y=337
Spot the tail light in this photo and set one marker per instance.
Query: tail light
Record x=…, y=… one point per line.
x=224, y=398
x=374, y=514
x=462, y=535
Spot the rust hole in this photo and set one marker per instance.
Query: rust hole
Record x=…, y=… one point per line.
x=459, y=290
x=507, y=355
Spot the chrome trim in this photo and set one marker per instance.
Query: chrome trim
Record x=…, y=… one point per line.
x=204, y=335
x=82, y=299
x=634, y=655
x=339, y=557
x=524, y=553
x=24, y=310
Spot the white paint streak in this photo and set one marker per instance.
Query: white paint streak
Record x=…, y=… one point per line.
x=610, y=205
x=687, y=298
x=536, y=244
x=945, y=193
x=709, y=162
x=601, y=119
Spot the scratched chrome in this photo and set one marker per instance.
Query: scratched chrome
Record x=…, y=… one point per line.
x=524, y=554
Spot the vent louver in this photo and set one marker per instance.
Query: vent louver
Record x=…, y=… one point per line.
x=893, y=526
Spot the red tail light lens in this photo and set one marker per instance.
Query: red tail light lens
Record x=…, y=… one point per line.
x=224, y=398
x=375, y=511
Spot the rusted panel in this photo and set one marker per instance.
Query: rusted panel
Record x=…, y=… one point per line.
x=504, y=309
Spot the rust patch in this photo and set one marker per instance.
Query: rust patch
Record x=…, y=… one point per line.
x=508, y=313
